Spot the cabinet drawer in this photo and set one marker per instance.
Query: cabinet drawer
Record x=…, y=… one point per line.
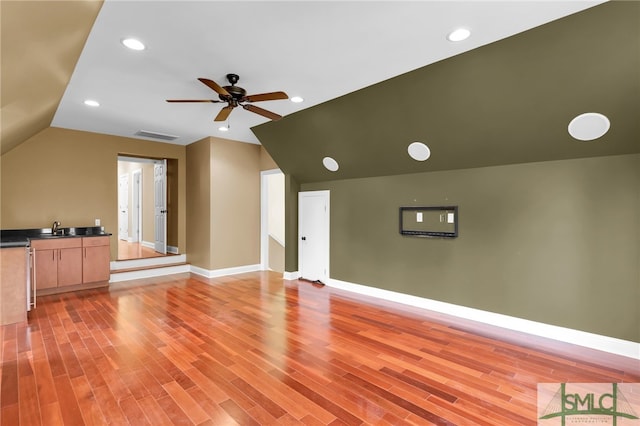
x=56, y=243
x=95, y=241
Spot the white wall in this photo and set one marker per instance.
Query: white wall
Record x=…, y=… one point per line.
x=275, y=189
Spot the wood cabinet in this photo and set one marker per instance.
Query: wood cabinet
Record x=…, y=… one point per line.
x=63, y=262
x=95, y=261
x=58, y=262
x=13, y=285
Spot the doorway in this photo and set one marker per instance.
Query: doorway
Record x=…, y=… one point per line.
x=313, y=235
x=272, y=221
x=142, y=187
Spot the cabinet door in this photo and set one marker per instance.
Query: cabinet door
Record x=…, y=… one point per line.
x=46, y=269
x=96, y=264
x=69, y=266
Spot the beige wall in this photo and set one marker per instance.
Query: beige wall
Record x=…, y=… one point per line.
x=235, y=207
x=223, y=184
x=555, y=242
x=72, y=176
x=199, y=203
x=266, y=162
x=276, y=255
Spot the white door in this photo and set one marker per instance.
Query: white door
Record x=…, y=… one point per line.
x=136, y=206
x=123, y=207
x=313, y=235
x=160, y=206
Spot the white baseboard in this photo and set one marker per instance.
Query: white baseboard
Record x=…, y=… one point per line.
x=147, y=262
x=581, y=338
x=148, y=244
x=225, y=271
x=172, y=249
x=148, y=273
x=291, y=275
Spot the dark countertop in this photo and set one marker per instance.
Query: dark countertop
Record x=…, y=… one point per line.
x=23, y=237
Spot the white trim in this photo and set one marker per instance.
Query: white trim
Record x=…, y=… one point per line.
x=291, y=275
x=138, y=217
x=594, y=341
x=137, y=159
x=147, y=262
x=148, y=273
x=172, y=250
x=225, y=271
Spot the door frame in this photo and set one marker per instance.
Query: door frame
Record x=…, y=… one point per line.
x=136, y=212
x=326, y=194
x=121, y=235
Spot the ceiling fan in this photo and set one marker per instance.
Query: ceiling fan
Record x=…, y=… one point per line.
x=236, y=96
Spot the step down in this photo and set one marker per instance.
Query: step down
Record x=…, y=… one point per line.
x=126, y=270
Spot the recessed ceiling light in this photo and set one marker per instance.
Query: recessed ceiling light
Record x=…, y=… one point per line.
x=296, y=99
x=589, y=126
x=133, y=44
x=330, y=164
x=459, y=34
x=419, y=151
x=91, y=103
x=223, y=128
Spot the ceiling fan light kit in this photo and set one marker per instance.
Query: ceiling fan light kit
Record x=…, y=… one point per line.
x=236, y=96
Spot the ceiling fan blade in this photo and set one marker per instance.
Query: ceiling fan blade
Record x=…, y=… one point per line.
x=214, y=86
x=193, y=100
x=272, y=96
x=263, y=112
x=224, y=113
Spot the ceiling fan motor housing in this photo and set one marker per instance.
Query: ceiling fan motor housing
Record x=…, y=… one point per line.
x=236, y=92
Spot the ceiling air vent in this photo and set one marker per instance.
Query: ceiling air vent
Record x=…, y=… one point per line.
x=154, y=135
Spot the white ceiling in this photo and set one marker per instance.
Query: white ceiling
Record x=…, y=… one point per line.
x=317, y=50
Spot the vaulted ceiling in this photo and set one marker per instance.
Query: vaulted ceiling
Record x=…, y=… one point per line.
x=504, y=103
x=40, y=45
x=375, y=76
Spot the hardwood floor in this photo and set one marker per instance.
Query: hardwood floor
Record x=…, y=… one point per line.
x=128, y=251
x=254, y=349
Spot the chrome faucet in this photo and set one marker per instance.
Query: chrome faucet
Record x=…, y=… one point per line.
x=55, y=227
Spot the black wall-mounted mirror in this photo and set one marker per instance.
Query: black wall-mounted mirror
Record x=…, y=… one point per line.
x=435, y=222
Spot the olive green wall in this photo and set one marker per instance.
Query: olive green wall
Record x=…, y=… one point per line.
x=291, y=189
x=72, y=176
x=555, y=242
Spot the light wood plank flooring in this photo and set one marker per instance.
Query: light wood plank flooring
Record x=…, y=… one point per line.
x=253, y=349
x=129, y=251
